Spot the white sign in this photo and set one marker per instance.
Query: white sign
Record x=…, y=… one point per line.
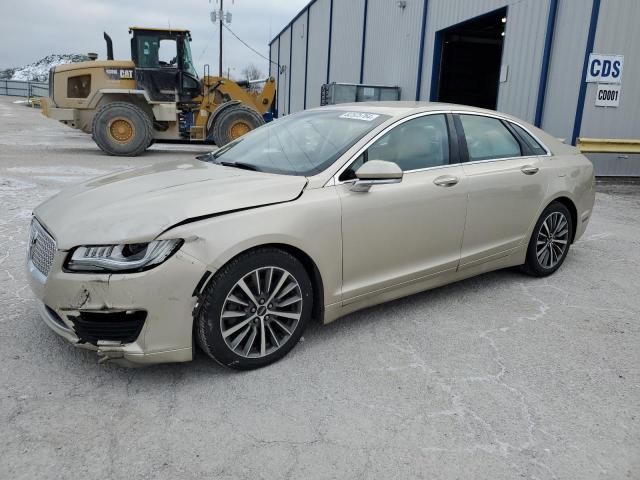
x=367, y=117
x=608, y=95
x=605, y=68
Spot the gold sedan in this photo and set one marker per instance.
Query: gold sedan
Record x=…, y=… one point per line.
x=315, y=215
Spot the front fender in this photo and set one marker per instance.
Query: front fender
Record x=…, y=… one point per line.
x=311, y=224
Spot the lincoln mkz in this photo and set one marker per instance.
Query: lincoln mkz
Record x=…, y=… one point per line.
x=312, y=216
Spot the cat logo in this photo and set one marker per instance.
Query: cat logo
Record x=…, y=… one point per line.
x=119, y=73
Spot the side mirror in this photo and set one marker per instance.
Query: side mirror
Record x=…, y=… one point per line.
x=376, y=172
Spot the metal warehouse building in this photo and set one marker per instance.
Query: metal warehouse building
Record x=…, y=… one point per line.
x=569, y=66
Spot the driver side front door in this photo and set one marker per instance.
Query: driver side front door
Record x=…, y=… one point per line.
x=396, y=237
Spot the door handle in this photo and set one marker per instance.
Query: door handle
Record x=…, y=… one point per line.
x=529, y=170
x=446, y=181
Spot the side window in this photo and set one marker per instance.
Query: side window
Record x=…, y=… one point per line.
x=419, y=143
x=487, y=138
x=531, y=142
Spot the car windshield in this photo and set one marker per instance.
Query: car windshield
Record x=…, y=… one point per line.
x=300, y=144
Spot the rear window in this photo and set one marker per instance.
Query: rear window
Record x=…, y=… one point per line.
x=487, y=138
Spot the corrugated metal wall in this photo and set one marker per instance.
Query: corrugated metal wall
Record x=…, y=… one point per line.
x=283, y=75
x=619, y=122
x=443, y=14
x=318, y=50
x=392, y=45
x=298, y=63
x=273, y=66
x=521, y=54
x=348, y=21
x=565, y=69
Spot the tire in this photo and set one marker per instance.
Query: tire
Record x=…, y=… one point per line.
x=555, y=229
x=233, y=122
x=122, y=129
x=221, y=309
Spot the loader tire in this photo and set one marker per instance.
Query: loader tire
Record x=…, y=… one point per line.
x=233, y=122
x=122, y=129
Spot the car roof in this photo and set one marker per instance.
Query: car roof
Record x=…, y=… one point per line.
x=400, y=109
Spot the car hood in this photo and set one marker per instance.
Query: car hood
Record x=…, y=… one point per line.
x=137, y=205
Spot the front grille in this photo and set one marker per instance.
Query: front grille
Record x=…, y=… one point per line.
x=42, y=248
x=123, y=327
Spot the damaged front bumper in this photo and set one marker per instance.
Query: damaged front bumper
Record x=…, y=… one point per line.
x=131, y=319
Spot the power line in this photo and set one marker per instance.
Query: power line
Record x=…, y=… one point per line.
x=247, y=45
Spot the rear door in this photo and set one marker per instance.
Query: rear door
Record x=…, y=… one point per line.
x=506, y=187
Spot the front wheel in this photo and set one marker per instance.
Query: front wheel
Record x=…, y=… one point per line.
x=550, y=241
x=122, y=129
x=254, y=310
x=233, y=122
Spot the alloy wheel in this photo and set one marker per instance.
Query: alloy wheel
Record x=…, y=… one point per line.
x=261, y=312
x=552, y=240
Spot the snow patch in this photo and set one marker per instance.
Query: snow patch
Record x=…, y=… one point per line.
x=39, y=71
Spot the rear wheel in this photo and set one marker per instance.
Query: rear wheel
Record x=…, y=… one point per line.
x=550, y=241
x=122, y=129
x=233, y=122
x=254, y=310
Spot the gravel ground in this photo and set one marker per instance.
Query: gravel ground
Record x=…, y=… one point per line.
x=500, y=376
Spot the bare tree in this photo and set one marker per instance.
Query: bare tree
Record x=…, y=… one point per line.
x=251, y=72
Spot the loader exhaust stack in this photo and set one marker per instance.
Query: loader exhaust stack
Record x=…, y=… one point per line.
x=107, y=39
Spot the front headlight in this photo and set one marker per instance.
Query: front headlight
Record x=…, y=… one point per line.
x=130, y=257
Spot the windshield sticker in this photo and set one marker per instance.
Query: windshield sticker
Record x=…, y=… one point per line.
x=367, y=117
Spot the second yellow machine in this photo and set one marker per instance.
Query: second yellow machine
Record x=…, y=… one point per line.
x=128, y=104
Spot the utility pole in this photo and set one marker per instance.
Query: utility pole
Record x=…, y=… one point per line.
x=221, y=20
x=219, y=16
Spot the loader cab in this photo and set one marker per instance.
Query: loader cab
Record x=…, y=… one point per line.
x=164, y=65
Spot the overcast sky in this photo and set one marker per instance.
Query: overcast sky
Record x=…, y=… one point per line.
x=32, y=29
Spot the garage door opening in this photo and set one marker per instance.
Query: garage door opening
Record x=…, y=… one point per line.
x=467, y=61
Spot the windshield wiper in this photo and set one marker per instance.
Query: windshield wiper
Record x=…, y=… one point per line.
x=244, y=166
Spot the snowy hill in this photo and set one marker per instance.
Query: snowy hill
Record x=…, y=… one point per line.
x=39, y=71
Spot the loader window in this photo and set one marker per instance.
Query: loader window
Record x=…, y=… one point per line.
x=168, y=53
x=187, y=60
x=79, y=86
x=154, y=52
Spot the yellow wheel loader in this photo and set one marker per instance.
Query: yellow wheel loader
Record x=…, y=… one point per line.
x=157, y=95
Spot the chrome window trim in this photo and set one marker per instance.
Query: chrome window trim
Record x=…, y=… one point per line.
x=335, y=179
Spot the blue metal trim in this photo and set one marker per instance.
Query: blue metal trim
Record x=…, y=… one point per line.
x=306, y=62
x=364, y=39
x=593, y=25
x=289, y=68
x=423, y=33
x=546, y=60
x=330, y=34
x=299, y=14
x=435, y=69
